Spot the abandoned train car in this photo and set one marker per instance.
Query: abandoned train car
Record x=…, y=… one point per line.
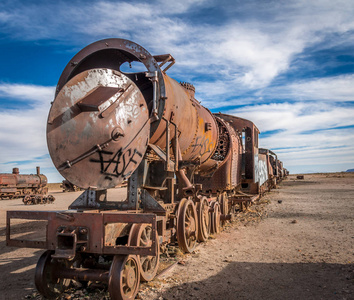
x=188, y=170
x=17, y=185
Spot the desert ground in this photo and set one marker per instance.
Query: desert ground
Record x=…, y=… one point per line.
x=297, y=242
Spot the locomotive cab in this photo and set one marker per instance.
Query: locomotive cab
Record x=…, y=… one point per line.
x=252, y=174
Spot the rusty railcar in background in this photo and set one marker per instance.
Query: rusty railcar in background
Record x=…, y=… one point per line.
x=270, y=159
x=280, y=171
x=18, y=185
x=188, y=170
x=286, y=172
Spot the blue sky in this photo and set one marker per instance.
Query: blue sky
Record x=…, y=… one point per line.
x=286, y=65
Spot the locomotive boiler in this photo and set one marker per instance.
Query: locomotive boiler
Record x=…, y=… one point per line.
x=188, y=170
x=17, y=185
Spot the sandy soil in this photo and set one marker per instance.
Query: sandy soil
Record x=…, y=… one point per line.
x=297, y=244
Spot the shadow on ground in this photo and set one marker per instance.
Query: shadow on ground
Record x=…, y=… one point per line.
x=17, y=275
x=271, y=281
x=17, y=264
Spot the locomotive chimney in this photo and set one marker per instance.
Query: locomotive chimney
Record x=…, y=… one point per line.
x=38, y=170
x=15, y=171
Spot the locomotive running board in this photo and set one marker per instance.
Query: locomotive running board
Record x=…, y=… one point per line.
x=100, y=229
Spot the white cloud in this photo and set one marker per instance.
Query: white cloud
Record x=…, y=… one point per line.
x=339, y=88
x=254, y=54
x=303, y=135
x=181, y=6
x=27, y=92
x=23, y=131
x=253, y=45
x=330, y=89
x=297, y=117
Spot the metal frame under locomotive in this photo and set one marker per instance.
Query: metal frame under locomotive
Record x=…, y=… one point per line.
x=168, y=199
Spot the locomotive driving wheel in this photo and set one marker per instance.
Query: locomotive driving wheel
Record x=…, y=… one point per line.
x=141, y=235
x=215, y=217
x=47, y=283
x=203, y=219
x=124, y=277
x=187, y=226
x=38, y=199
x=27, y=199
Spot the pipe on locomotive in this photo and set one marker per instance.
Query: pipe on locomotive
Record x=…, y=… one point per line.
x=103, y=120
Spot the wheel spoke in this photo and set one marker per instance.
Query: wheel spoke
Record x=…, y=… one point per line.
x=188, y=217
x=148, y=231
x=143, y=235
x=144, y=243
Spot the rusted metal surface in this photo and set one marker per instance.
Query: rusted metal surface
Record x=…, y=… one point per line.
x=225, y=165
x=187, y=226
x=203, y=218
x=280, y=170
x=197, y=128
x=248, y=133
x=38, y=199
x=141, y=235
x=98, y=231
x=112, y=53
x=188, y=170
x=47, y=283
x=17, y=185
x=251, y=132
x=91, y=149
x=124, y=277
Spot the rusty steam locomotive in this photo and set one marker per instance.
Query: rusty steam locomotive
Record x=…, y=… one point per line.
x=32, y=188
x=188, y=170
x=15, y=185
